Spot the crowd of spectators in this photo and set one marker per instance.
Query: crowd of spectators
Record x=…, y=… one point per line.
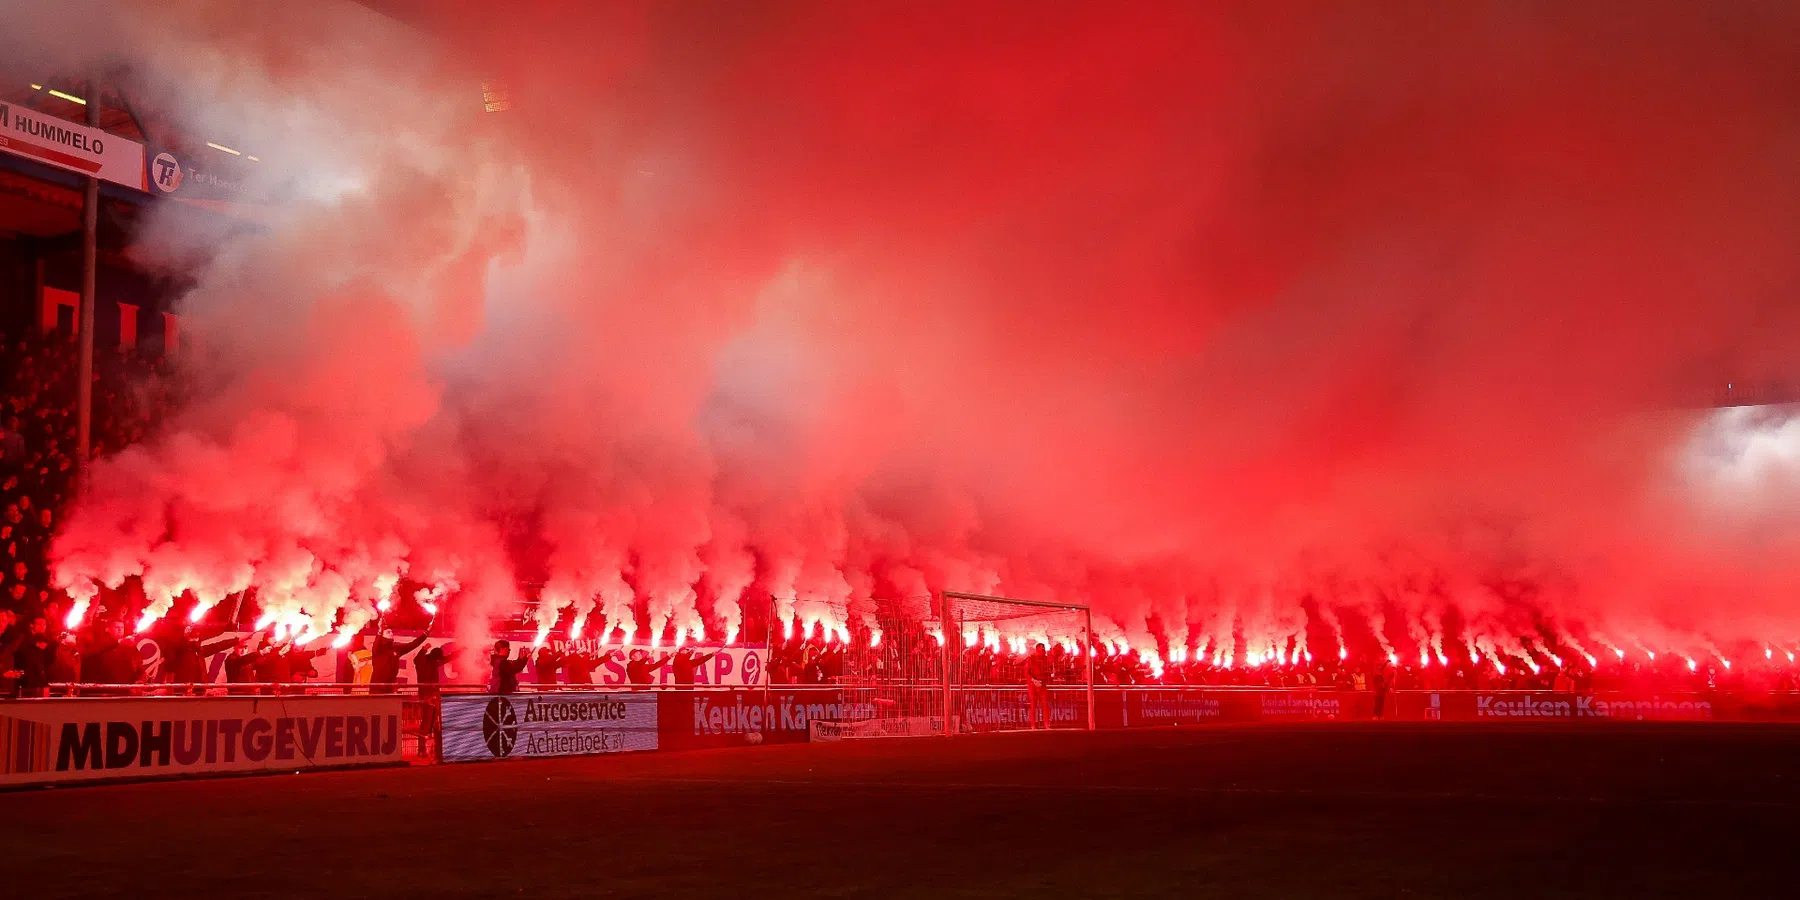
x=1517, y=675
x=800, y=661
x=821, y=660
x=38, y=437
x=132, y=391
x=1668, y=673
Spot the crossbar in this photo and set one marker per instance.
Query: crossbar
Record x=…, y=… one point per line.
x=957, y=595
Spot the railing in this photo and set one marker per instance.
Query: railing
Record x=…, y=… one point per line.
x=84, y=690
x=103, y=691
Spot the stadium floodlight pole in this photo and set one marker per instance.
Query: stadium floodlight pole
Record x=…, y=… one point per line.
x=84, y=338
x=1088, y=637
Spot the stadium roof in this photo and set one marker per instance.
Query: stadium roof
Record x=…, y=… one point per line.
x=67, y=99
x=43, y=203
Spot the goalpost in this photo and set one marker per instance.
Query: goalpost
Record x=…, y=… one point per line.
x=958, y=663
x=987, y=664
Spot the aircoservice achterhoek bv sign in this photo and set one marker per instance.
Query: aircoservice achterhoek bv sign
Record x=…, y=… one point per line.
x=487, y=726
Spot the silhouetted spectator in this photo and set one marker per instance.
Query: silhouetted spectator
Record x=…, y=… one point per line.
x=581, y=665
x=687, y=662
x=505, y=669
x=120, y=662
x=384, y=660
x=240, y=667
x=641, y=670
x=12, y=637
x=65, y=664
x=35, y=658
x=428, y=667
x=549, y=661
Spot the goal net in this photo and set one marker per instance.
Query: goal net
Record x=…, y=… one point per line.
x=894, y=677
x=1017, y=664
x=963, y=663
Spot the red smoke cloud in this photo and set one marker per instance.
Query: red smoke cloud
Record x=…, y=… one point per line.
x=1257, y=327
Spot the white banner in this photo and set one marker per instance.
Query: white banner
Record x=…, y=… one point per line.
x=486, y=726
x=733, y=666
x=744, y=666
x=727, y=667
x=47, y=741
x=66, y=145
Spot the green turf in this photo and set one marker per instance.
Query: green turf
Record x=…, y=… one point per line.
x=1508, y=811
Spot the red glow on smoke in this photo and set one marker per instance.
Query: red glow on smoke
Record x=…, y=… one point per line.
x=1206, y=316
